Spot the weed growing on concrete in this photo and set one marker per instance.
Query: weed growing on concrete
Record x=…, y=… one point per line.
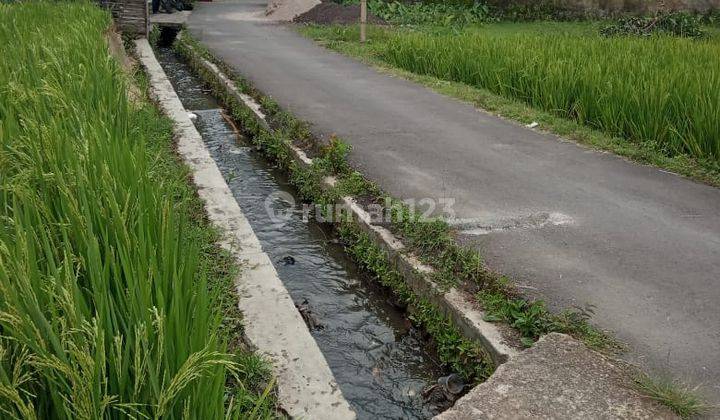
x=684, y=401
x=354, y=184
x=333, y=157
x=432, y=241
x=532, y=320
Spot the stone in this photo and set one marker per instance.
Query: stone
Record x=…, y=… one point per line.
x=558, y=378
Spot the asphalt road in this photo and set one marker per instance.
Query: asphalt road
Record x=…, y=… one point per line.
x=572, y=225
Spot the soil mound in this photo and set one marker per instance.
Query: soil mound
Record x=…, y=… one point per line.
x=285, y=10
x=329, y=12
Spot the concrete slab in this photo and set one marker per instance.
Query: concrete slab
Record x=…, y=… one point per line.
x=176, y=19
x=287, y=10
x=558, y=378
x=306, y=386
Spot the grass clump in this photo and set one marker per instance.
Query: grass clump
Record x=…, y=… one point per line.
x=108, y=273
x=532, y=320
x=432, y=241
x=681, y=399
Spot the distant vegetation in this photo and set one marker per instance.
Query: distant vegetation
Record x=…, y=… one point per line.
x=678, y=24
x=462, y=12
x=435, y=13
x=447, y=13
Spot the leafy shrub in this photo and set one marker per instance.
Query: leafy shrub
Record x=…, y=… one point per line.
x=677, y=24
x=334, y=156
x=712, y=17
x=538, y=10
x=430, y=13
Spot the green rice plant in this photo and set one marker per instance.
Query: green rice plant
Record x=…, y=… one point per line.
x=660, y=91
x=105, y=304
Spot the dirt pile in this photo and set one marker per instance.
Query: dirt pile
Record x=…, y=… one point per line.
x=285, y=10
x=329, y=12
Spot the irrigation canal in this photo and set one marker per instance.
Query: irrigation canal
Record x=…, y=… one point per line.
x=380, y=361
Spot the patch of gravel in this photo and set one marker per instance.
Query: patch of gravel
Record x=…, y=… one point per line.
x=329, y=12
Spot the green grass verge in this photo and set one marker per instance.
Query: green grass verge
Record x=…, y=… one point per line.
x=109, y=276
x=515, y=106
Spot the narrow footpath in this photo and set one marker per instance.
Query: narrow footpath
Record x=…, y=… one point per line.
x=572, y=225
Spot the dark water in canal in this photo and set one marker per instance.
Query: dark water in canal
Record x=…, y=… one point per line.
x=378, y=359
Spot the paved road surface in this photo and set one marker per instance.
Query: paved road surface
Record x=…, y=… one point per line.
x=576, y=226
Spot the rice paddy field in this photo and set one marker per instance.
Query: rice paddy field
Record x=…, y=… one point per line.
x=660, y=92
x=108, y=272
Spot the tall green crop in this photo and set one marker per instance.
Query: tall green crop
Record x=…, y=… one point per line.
x=104, y=311
x=661, y=91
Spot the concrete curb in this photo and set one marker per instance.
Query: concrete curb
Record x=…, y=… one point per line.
x=557, y=378
x=464, y=313
x=306, y=386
